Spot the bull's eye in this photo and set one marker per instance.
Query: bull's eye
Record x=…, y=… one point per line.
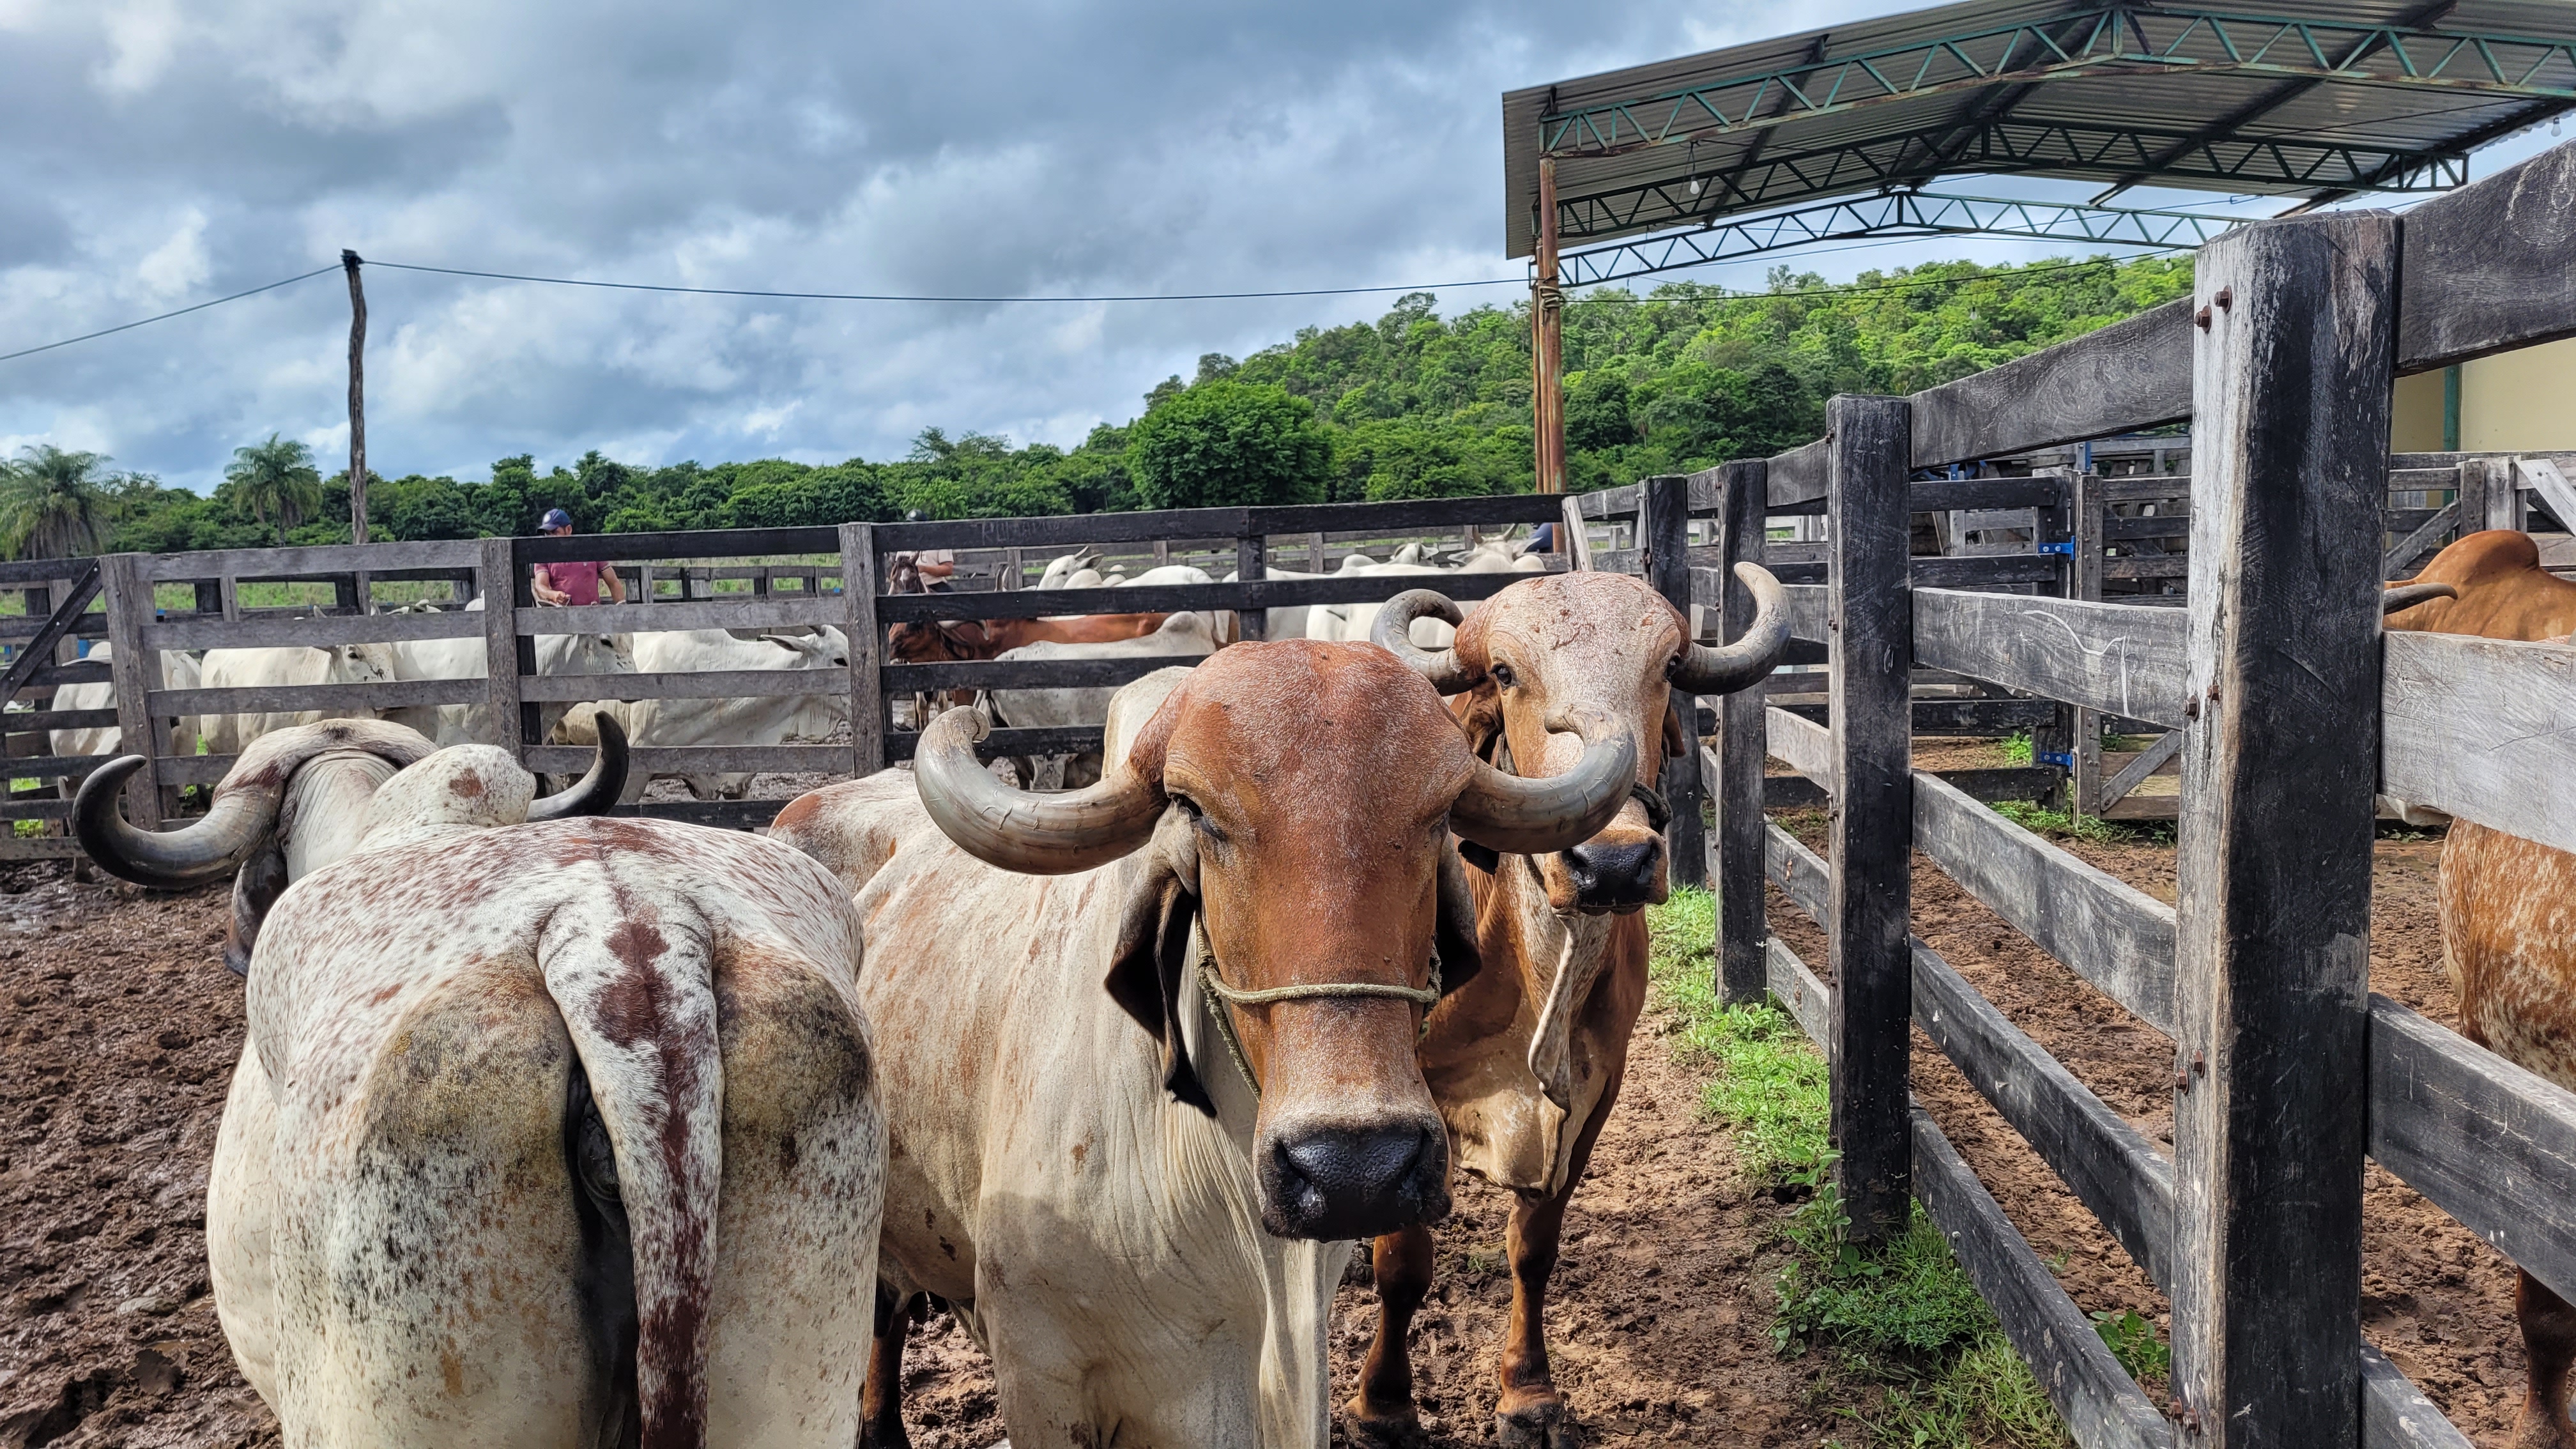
x=1503, y=677
x=1672, y=664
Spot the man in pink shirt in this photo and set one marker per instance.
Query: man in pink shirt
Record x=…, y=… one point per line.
x=574, y=583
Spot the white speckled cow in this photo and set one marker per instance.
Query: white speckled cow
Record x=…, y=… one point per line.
x=1075, y=995
x=558, y=1133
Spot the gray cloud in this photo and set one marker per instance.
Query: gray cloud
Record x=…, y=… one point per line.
x=162, y=153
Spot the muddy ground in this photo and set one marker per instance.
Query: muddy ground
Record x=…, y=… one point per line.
x=122, y=1027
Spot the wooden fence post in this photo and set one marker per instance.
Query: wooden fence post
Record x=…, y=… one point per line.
x=1251, y=565
x=2084, y=581
x=129, y=608
x=1736, y=853
x=2291, y=381
x=500, y=645
x=1870, y=613
x=867, y=648
x=1663, y=505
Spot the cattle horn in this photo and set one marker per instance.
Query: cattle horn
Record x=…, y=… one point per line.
x=1393, y=633
x=1519, y=816
x=596, y=792
x=245, y=808
x=1017, y=829
x=1708, y=669
x=2407, y=596
x=208, y=850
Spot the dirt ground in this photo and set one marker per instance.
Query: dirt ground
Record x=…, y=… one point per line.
x=123, y=1027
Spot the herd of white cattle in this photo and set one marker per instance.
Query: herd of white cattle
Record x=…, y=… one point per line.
x=744, y=720
x=553, y=1129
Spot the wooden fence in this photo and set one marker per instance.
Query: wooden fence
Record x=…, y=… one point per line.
x=2271, y=683
x=744, y=580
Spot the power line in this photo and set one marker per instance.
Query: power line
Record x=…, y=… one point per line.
x=919, y=297
x=1580, y=299
x=166, y=316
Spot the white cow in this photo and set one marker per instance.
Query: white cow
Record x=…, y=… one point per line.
x=557, y=1133
x=179, y=670
x=746, y=720
x=456, y=724
x=1182, y=635
x=1351, y=623
x=1080, y=1162
x=227, y=734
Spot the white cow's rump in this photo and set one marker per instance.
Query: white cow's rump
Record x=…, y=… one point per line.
x=748, y=720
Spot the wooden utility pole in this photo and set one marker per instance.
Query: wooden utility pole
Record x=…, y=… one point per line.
x=357, y=398
x=1547, y=345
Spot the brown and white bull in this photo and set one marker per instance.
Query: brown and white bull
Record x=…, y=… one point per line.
x=564, y=1133
x=1149, y=1047
x=1526, y=1061
x=2508, y=930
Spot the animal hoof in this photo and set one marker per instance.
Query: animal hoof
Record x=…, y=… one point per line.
x=2534, y=1430
x=872, y=1437
x=1389, y=1431
x=1543, y=1425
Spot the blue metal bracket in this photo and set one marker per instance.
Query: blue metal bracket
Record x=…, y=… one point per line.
x=2065, y=547
x=2061, y=759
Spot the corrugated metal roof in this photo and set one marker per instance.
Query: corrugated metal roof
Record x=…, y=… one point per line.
x=2285, y=97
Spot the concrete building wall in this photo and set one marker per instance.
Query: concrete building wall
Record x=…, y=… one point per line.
x=2523, y=401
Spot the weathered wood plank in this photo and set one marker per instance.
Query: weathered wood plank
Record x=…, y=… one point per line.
x=1027, y=673
x=1804, y=745
x=2109, y=1165
x=2131, y=374
x=2272, y=938
x=1798, y=476
x=2486, y=265
x=2039, y=490
x=2102, y=1407
x=1809, y=1002
x=859, y=594
x=2479, y=728
x=1796, y=792
x=704, y=684
x=700, y=759
x=2396, y=1415
x=283, y=698
x=2008, y=568
x=1042, y=740
x=499, y=580
x=309, y=632
x=308, y=562
x=2106, y=931
x=2400, y=562
x=1663, y=526
x=2116, y=658
x=778, y=611
x=2488, y=1142
x=2133, y=774
x=1735, y=768
x=1800, y=873
x=1574, y=525
x=1872, y=619
x=129, y=610
x=691, y=543
x=1170, y=598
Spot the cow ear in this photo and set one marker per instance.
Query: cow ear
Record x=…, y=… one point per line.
x=1677, y=739
x=1453, y=934
x=1145, y=966
x=256, y=887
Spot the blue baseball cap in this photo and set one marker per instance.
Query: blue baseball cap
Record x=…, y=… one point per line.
x=556, y=518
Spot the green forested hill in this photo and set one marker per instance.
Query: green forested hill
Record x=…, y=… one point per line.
x=1412, y=405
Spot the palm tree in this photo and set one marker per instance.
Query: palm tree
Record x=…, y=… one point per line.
x=276, y=481
x=53, y=503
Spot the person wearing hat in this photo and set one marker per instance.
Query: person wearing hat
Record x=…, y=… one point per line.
x=574, y=583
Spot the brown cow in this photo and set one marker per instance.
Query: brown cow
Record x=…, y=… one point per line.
x=1162, y=1030
x=2506, y=937
x=1526, y=1061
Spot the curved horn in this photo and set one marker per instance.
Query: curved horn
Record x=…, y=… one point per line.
x=1393, y=633
x=1534, y=817
x=2407, y=596
x=1708, y=669
x=594, y=793
x=1015, y=829
x=208, y=850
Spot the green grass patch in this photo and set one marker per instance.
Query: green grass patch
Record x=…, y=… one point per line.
x=1901, y=1321
x=2015, y=747
x=2092, y=829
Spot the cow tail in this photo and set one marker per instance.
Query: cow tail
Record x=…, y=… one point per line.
x=638, y=1000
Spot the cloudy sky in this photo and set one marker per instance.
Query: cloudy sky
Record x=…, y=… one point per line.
x=167, y=151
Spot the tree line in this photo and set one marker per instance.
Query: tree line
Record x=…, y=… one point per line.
x=1413, y=405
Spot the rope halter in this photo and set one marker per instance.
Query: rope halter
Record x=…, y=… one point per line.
x=1424, y=996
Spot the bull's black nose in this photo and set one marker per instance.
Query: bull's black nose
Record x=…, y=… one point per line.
x=1341, y=1181
x=1612, y=873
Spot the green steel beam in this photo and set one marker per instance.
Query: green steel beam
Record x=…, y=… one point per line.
x=1903, y=213
x=2105, y=40
x=2004, y=146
